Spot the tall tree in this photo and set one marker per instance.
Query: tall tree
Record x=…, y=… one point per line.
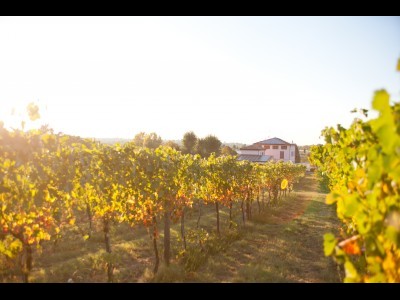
x=200, y=148
x=297, y=158
x=189, y=142
x=209, y=144
x=148, y=140
x=152, y=140
x=138, y=140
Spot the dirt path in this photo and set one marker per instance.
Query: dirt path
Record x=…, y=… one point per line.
x=283, y=245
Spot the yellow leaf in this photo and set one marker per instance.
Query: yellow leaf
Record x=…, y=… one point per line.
x=332, y=198
x=284, y=184
x=385, y=188
x=351, y=272
x=72, y=221
x=360, y=173
x=351, y=185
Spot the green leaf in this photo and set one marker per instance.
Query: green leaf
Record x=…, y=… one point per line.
x=361, y=218
x=351, y=272
x=329, y=243
x=350, y=205
x=332, y=198
x=392, y=234
x=381, y=100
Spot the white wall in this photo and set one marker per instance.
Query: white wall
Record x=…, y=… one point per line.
x=275, y=153
x=286, y=153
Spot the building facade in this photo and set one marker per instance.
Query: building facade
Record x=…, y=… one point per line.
x=274, y=149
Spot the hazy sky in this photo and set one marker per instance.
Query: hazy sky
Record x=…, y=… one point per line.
x=242, y=79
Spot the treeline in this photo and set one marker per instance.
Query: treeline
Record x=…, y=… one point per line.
x=191, y=144
x=51, y=182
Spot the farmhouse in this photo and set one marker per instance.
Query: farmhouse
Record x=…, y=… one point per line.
x=274, y=149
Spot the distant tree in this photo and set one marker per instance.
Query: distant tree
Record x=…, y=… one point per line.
x=209, y=144
x=213, y=145
x=189, y=142
x=226, y=150
x=173, y=145
x=200, y=148
x=152, y=140
x=297, y=158
x=138, y=140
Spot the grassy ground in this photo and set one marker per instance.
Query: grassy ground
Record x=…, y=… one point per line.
x=283, y=244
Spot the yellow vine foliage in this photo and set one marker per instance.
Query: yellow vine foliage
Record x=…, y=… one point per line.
x=363, y=167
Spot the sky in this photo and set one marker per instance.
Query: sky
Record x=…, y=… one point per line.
x=242, y=79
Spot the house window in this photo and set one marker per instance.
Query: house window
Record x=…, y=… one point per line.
x=284, y=147
x=267, y=147
x=274, y=147
x=292, y=154
x=282, y=154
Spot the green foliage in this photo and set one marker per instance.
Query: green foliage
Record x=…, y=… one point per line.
x=138, y=140
x=329, y=243
x=297, y=158
x=226, y=150
x=51, y=184
x=189, y=142
x=323, y=179
x=36, y=171
x=208, y=145
x=173, y=145
x=196, y=253
x=201, y=245
x=150, y=140
x=362, y=164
